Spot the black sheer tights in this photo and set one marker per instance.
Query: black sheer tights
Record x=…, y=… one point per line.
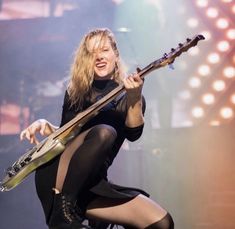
x=165, y=223
x=83, y=159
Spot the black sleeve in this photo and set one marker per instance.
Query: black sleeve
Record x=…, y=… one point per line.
x=68, y=112
x=134, y=133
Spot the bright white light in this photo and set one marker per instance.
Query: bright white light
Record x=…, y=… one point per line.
x=198, y=112
x=185, y=95
x=193, y=51
x=215, y=123
x=194, y=82
x=227, y=1
x=229, y=72
x=204, y=70
x=232, y=98
x=212, y=12
x=223, y=46
x=226, y=112
x=202, y=3
x=222, y=23
x=214, y=58
x=219, y=85
x=208, y=99
x=206, y=34
x=233, y=8
x=231, y=34
x=192, y=22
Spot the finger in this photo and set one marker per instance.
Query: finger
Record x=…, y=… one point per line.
x=43, y=128
x=22, y=135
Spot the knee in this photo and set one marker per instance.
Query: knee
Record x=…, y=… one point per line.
x=105, y=134
x=165, y=223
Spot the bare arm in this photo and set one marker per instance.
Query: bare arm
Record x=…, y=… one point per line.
x=133, y=85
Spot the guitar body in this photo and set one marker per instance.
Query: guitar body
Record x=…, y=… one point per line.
x=55, y=143
x=30, y=161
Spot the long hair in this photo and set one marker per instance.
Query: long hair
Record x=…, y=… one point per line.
x=82, y=69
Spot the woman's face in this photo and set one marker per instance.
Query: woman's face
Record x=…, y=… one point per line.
x=105, y=57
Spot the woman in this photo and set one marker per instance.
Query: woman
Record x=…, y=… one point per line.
x=74, y=185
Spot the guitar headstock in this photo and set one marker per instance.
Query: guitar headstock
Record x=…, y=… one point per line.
x=169, y=58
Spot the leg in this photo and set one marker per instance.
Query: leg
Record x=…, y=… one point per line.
x=139, y=212
x=78, y=165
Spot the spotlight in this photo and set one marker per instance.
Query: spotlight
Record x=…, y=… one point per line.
x=212, y=12
x=233, y=9
x=232, y=98
x=194, y=82
x=222, y=23
x=192, y=22
x=227, y=1
x=202, y=3
x=226, y=112
x=223, y=46
x=219, y=85
x=215, y=123
x=204, y=70
x=214, y=58
x=229, y=72
x=231, y=34
x=198, y=112
x=206, y=34
x=208, y=99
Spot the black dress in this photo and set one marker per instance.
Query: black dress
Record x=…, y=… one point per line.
x=112, y=114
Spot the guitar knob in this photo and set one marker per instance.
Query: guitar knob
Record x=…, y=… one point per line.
x=16, y=168
x=22, y=163
x=188, y=39
x=172, y=50
x=180, y=44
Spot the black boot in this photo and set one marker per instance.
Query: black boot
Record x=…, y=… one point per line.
x=64, y=214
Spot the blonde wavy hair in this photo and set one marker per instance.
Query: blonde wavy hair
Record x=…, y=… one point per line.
x=82, y=69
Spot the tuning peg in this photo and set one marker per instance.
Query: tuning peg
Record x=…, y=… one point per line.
x=188, y=39
x=180, y=44
x=165, y=54
x=172, y=50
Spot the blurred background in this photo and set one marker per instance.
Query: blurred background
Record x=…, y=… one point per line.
x=185, y=157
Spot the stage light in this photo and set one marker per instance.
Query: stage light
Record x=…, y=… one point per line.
x=192, y=22
x=206, y=34
x=227, y=1
x=229, y=72
x=204, y=70
x=223, y=46
x=215, y=123
x=233, y=8
x=198, y=112
x=226, y=112
x=194, y=82
x=212, y=12
x=232, y=98
x=214, y=58
x=222, y=23
x=231, y=34
x=202, y=3
x=219, y=85
x=208, y=99
x=193, y=51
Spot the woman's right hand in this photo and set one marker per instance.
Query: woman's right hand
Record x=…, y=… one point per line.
x=41, y=126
